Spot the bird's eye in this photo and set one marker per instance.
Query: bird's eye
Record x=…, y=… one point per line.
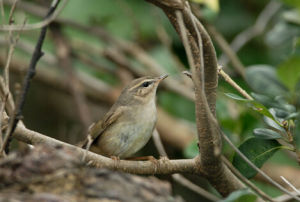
x=146, y=84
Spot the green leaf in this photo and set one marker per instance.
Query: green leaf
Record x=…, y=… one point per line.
x=292, y=115
x=265, y=100
x=264, y=111
x=297, y=134
x=264, y=133
x=293, y=3
x=263, y=79
x=260, y=108
x=289, y=72
x=236, y=97
x=270, y=122
x=258, y=151
x=243, y=195
x=282, y=39
x=281, y=113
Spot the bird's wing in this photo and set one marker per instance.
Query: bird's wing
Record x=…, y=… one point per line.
x=111, y=117
x=97, y=129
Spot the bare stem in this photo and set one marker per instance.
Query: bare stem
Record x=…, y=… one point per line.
x=38, y=25
x=178, y=177
x=246, y=181
x=30, y=73
x=229, y=80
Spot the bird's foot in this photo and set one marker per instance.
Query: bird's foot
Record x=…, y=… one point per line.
x=116, y=160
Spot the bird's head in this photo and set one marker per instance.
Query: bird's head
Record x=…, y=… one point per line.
x=141, y=90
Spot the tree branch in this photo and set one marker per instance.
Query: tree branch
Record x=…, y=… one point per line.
x=203, y=63
x=37, y=54
x=178, y=177
x=38, y=25
x=259, y=26
x=161, y=166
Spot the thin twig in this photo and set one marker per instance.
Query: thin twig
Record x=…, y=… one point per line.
x=127, y=47
x=6, y=91
x=224, y=45
x=158, y=143
x=11, y=48
x=178, y=177
x=286, y=197
x=10, y=105
x=290, y=184
x=229, y=80
x=237, y=173
x=2, y=12
x=257, y=169
x=38, y=25
x=246, y=181
x=13, y=42
x=11, y=13
x=30, y=73
x=185, y=40
x=259, y=26
x=2, y=107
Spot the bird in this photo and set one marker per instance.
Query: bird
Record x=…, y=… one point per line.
x=129, y=124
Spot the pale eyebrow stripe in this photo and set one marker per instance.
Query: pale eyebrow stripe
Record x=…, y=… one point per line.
x=140, y=83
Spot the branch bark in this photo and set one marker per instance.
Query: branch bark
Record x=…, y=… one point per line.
x=203, y=62
x=161, y=166
x=37, y=54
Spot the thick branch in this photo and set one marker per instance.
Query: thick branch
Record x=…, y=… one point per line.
x=203, y=62
x=161, y=166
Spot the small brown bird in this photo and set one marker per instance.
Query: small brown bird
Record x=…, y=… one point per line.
x=129, y=124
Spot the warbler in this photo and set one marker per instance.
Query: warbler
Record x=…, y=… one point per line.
x=129, y=124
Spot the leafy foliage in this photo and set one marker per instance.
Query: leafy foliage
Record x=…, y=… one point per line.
x=289, y=72
x=177, y=105
x=258, y=151
x=265, y=133
x=263, y=79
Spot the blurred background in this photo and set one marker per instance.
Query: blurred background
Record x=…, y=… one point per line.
x=94, y=48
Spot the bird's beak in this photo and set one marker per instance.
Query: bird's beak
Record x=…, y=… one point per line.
x=159, y=79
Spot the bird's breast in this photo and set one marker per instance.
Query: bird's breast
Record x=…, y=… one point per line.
x=130, y=133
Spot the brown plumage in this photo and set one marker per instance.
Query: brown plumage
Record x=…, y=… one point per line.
x=129, y=124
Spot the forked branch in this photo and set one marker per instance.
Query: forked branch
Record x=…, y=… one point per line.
x=203, y=63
